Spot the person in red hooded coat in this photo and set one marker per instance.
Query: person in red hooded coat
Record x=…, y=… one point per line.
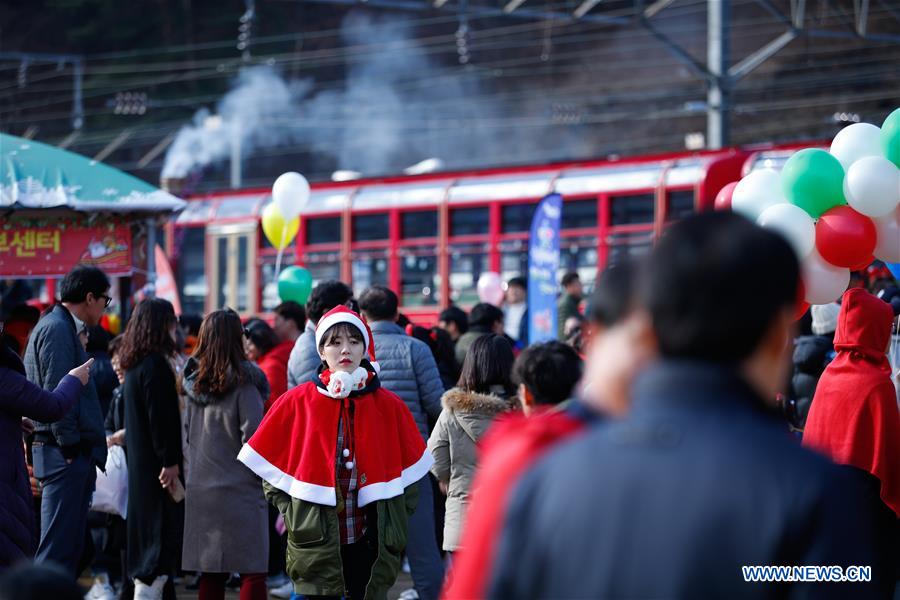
x=854, y=418
x=339, y=458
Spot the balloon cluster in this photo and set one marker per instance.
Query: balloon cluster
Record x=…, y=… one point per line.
x=281, y=218
x=838, y=208
x=280, y=224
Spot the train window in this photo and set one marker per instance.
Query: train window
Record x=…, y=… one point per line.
x=270, y=297
x=469, y=221
x=634, y=209
x=513, y=259
x=191, y=244
x=419, y=224
x=681, y=204
x=369, y=267
x=323, y=266
x=579, y=254
x=370, y=227
x=577, y=214
x=467, y=263
x=419, y=281
x=323, y=230
x=516, y=217
x=629, y=245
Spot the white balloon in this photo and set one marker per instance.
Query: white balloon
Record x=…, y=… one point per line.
x=855, y=142
x=887, y=229
x=794, y=224
x=824, y=282
x=290, y=194
x=756, y=192
x=872, y=186
x=490, y=288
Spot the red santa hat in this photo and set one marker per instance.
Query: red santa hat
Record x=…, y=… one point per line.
x=342, y=314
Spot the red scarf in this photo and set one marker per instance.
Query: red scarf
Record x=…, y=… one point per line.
x=295, y=445
x=854, y=418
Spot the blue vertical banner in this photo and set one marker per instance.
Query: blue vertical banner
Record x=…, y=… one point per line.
x=543, y=262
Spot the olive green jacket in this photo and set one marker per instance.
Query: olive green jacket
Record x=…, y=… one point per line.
x=314, y=550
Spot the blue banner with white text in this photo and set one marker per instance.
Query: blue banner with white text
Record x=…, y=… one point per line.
x=543, y=262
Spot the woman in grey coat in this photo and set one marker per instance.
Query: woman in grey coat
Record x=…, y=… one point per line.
x=484, y=392
x=226, y=517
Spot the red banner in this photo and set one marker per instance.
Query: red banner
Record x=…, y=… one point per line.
x=49, y=251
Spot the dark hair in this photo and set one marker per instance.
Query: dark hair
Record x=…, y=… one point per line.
x=484, y=315
x=517, y=281
x=115, y=345
x=379, y=303
x=488, y=363
x=190, y=323
x=81, y=281
x=438, y=341
x=291, y=311
x=36, y=582
x=98, y=339
x=326, y=296
x=341, y=329
x=550, y=371
x=569, y=278
x=454, y=314
x=614, y=294
x=403, y=320
x=219, y=353
x=714, y=285
x=261, y=335
x=147, y=332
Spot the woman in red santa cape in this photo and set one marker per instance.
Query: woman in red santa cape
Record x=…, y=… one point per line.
x=339, y=457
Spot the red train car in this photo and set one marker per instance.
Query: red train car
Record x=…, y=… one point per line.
x=429, y=237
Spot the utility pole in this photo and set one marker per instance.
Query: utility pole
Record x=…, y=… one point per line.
x=718, y=94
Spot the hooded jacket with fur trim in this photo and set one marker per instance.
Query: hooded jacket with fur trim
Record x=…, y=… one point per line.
x=453, y=443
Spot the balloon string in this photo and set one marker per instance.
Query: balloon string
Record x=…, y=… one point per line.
x=280, y=251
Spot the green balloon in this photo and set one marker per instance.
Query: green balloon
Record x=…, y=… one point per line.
x=813, y=179
x=890, y=137
x=294, y=283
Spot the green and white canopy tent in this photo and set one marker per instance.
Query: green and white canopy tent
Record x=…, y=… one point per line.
x=58, y=208
x=36, y=175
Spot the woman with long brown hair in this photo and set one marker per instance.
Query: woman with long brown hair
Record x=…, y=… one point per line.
x=153, y=423
x=226, y=518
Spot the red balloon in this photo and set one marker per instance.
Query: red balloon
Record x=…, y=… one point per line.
x=723, y=198
x=863, y=265
x=844, y=237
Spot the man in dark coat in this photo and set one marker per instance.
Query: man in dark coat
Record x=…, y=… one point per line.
x=67, y=452
x=701, y=478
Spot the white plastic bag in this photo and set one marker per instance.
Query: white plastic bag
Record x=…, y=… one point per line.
x=111, y=492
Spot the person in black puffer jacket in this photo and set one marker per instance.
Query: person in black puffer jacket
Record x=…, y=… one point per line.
x=812, y=353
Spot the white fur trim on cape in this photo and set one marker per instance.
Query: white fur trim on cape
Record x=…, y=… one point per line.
x=341, y=317
x=301, y=490
x=384, y=490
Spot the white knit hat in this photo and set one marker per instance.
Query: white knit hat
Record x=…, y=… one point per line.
x=825, y=318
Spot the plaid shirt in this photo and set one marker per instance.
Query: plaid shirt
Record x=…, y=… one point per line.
x=351, y=518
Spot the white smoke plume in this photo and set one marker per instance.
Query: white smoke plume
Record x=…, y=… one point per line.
x=395, y=107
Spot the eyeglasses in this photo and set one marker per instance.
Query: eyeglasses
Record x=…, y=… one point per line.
x=108, y=300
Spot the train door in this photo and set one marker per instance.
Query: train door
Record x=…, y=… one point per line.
x=233, y=273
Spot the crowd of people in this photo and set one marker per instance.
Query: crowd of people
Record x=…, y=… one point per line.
x=674, y=433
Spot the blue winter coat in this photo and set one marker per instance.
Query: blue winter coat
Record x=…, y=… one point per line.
x=698, y=481
x=21, y=398
x=408, y=369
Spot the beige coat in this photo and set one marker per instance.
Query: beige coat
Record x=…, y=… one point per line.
x=465, y=418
